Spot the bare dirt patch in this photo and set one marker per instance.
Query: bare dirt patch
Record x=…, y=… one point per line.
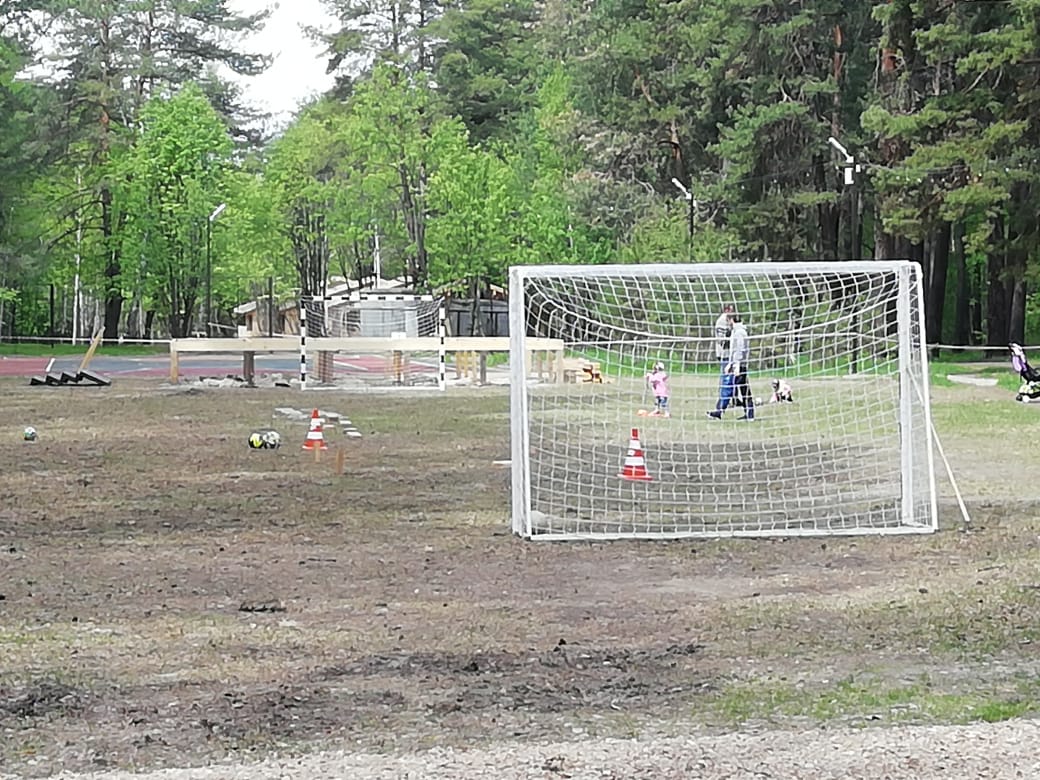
x=136, y=529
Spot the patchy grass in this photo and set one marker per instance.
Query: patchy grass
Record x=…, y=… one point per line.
x=866, y=699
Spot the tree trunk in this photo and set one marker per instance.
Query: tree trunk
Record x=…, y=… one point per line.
x=996, y=300
x=910, y=251
x=1017, y=323
x=962, y=299
x=935, y=298
x=926, y=268
x=827, y=214
x=187, y=314
x=411, y=208
x=310, y=246
x=113, y=283
x=1015, y=289
x=977, y=317
x=884, y=243
x=174, y=322
x=893, y=247
x=477, y=323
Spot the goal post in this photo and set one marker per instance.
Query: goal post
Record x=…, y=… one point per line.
x=373, y=340
x=850, y=454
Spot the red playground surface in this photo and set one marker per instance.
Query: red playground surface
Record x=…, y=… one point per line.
x=23, y=366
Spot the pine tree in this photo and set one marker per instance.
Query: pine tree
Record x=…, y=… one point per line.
x=107, y=58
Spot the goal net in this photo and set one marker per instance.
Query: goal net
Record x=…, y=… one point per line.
x=850, y=454
x=361, y=340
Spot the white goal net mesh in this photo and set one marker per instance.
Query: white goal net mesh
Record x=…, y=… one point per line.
x=850, y=453
x=375, y=340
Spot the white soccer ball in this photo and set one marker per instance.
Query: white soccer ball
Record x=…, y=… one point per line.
x=29, y=434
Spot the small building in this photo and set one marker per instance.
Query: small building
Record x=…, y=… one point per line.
x=492, y=313
x=254, y=321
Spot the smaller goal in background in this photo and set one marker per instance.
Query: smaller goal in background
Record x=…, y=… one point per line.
x=372, y=340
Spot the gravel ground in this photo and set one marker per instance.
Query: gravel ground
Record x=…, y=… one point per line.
x=1001, y=751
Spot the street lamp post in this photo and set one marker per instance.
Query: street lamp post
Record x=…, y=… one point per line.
x=851, y=168
x=209, y=268
x=693, y=208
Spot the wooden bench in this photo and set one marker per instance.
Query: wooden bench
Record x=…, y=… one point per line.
x=580, y=369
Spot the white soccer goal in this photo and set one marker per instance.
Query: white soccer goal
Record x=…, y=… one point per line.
x=851, y=455
x=368, y=339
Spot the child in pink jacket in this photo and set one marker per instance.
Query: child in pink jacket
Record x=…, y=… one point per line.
x=658, y=381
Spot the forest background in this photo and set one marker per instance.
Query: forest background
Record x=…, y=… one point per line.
x=465, y=136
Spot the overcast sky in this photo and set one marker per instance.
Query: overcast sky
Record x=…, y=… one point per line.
x=298, y=70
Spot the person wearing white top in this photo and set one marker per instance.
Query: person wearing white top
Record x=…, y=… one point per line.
x=722, y=326
x=734, y=387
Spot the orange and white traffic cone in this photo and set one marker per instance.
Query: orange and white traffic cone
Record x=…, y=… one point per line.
x=635, y=465
x=315, y=436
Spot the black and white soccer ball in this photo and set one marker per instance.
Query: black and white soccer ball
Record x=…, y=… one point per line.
x=265, y=440
x=29, y=434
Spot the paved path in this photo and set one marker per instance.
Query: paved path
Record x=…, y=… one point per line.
x=147, y=365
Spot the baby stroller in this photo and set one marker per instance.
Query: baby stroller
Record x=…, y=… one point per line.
x=1030, y=389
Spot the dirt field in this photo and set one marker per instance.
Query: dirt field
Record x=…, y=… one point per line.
x=790, y=470
x=169, y=597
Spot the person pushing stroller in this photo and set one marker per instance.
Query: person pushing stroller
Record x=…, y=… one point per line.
x=1030, y=389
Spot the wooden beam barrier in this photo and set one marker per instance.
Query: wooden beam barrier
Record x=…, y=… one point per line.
x=463, y=364
x=248, y=366
x=94, y=342
x=474, y=345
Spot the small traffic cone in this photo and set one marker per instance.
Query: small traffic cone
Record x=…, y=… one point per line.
x=315, y=437
x=635, y=465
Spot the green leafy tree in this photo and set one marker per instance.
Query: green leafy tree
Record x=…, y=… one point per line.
x=367, y=33
x=476, y=200
x=22, y=254
x=392, y=134
x=251, y=243
x=495, y=205
x=105, y=59
x=301, y=174
x=954, y=126
x=170, y=184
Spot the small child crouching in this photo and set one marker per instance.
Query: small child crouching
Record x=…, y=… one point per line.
x=782, y=392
